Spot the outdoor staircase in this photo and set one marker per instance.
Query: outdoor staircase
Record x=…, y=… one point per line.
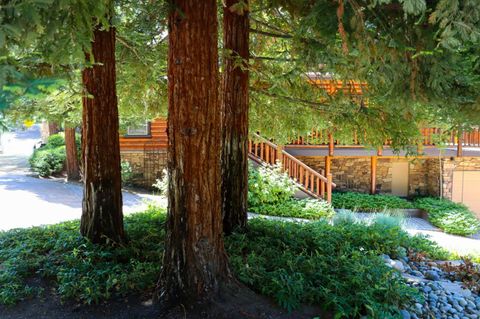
x=308, y=180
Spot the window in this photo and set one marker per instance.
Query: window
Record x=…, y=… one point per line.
x=138, y=130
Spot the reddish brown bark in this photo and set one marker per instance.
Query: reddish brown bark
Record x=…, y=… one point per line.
x=52, y=128
x=235, y=121
x=73, y=169
x=102, y=218
x=195, y=264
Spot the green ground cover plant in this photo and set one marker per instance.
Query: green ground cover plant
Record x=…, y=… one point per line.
x=369, y=203
x=320, y=263
x=451, y=217
x=80, y=270
x=314, y=263
x=271, y=192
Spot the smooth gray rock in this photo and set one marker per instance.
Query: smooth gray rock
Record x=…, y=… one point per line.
x=455, y=287
x=396, y=264
x=405, y=314
x=432, y=275
x=427, y=289
x=462, y=302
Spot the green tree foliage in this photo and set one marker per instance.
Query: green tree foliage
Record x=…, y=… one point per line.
x=42, y=47
x=417, y=57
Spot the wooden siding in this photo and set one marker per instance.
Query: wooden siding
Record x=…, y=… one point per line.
x=156, y=140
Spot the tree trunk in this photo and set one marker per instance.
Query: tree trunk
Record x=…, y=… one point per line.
x=73, y=169
x=235, y=121
x=195, y=264
x=102, y=218
x=52, y=128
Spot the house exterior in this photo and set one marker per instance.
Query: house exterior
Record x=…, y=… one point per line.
x=145, y=148
x=452, y=170
x=319, y=163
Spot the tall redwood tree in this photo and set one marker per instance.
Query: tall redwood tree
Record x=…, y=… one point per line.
x=102, y=217
x=73, y=168
x=195, y=264
x=235, y=110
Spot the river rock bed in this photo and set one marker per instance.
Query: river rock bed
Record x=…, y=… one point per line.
x=443, y=297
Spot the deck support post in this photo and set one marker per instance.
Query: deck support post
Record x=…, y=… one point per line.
x=373, y=175
x=460, y=143
x=329, y=187
x=330, y=144
x=420, y=148
x=328, y=163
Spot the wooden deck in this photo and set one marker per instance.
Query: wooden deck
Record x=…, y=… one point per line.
x=431, y=138
x=345, y=151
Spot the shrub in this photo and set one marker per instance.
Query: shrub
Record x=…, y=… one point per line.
x=161, y=184
x=55, y=140
x=270, y=192
x=369, y=203
x=127, y=172
x=451, y=217
x=268, y=185
x=48, y=161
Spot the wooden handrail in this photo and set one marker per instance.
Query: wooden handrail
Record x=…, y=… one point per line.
x=264, y=140
x=321, y=137
x=305, y=166
x=310, y=181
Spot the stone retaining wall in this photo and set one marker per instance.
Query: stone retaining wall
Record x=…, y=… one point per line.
x=353, y=173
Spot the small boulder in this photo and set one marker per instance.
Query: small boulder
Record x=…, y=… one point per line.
x=397, y=264
x=432, y=275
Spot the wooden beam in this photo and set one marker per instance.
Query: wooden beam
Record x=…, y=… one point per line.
x=460, y=144
x=329, y=187
x=373, y=175
x=330, y=144
x=327, y=165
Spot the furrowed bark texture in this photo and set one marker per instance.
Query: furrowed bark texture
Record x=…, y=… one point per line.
x=235, y=125
x=195, y=263
x=73, y=169
x=102, y=218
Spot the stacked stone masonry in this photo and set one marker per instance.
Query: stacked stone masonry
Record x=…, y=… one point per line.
x=353, y=173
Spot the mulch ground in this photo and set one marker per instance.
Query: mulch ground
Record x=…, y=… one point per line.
x=244, y=305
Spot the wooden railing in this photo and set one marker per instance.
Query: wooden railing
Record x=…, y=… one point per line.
x=263, y=150
x=430, y=137
x=308, y=179
x=471, y=138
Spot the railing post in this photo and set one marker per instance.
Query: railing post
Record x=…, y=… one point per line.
x=322, y=185
x=373, y=175
x=280, y=155
x=329, y=187
x=460, y=143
